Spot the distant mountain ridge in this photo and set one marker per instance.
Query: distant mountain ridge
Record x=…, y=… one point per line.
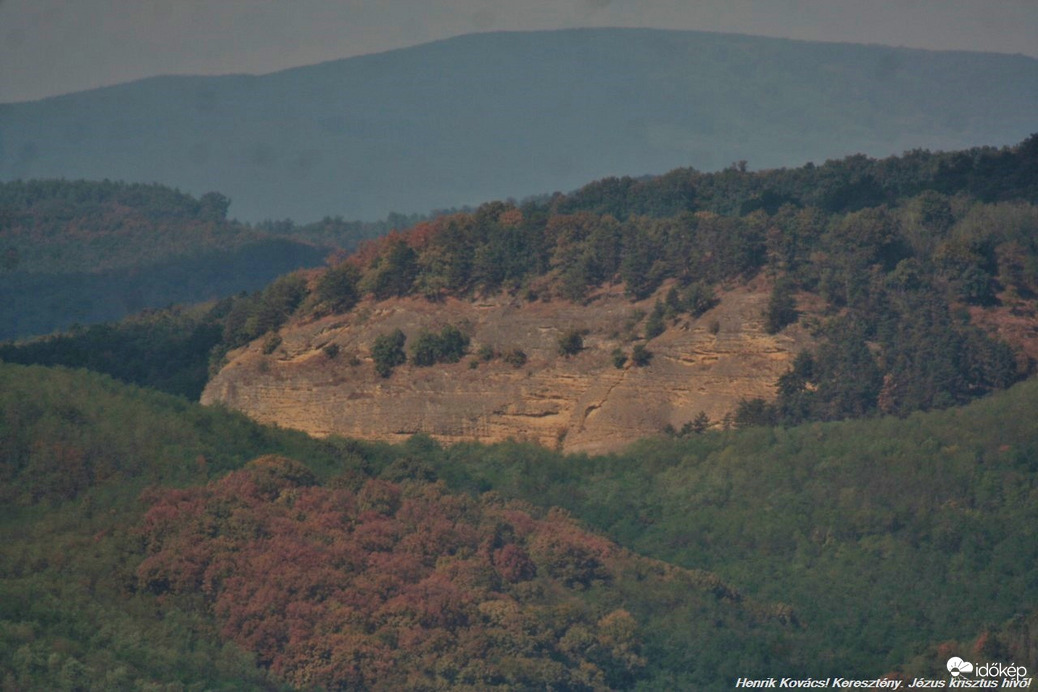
x=485, y=116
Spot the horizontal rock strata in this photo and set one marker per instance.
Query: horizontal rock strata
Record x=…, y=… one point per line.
x=576, y=403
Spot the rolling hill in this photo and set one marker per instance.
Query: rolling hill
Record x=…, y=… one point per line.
x=152, y=541
x=80, y=252
x=713, y=332
x=584, y=322
x=486, y=116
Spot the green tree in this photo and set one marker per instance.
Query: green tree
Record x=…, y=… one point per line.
x=782, y=308
x=388, y=352
x=446, y=347
x=849, y=381
x=640, y=355
x=276, y=304
x=394, y=271
x=571, y=343
x=751, y=412
x=213, y=206
x=655, y=325
x=515, y=357
x=700, y=423
x=640, y=268
x=337, y=288
x=619, y=358
x=698, y=298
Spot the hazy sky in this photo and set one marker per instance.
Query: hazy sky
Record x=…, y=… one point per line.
x=50, y=47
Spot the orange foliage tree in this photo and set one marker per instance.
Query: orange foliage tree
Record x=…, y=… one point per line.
x=395, y=586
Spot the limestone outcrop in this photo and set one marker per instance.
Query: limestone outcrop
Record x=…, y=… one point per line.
x=581, y=402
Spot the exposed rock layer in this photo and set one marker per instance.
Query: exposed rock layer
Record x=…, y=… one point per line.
x=577, y=403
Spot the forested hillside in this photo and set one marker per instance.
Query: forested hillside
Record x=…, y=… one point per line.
x=869, y=511
x=174, y=349
x=887, y=537
x=80, y=252
x=144, y=548
x=149, y=541
x=487, y=116
x=915, y=275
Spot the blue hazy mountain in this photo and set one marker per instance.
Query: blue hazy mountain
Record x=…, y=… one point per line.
x=492, y=115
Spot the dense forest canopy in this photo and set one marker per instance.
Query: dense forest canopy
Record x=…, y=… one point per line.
x=81, y=252
x=209, y=554
x=152, y=541
x=896, y=251
x=717, y=227
x=59, y=226
x=873, y=518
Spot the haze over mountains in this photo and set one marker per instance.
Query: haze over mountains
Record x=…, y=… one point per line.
x=487, y=116
x=714, y=332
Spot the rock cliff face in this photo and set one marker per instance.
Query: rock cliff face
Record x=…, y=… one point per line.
x=578, y=403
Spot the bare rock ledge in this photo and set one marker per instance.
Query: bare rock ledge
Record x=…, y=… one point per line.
x=577, y=403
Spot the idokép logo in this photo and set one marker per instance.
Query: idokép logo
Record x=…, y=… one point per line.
x=1011, y=673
